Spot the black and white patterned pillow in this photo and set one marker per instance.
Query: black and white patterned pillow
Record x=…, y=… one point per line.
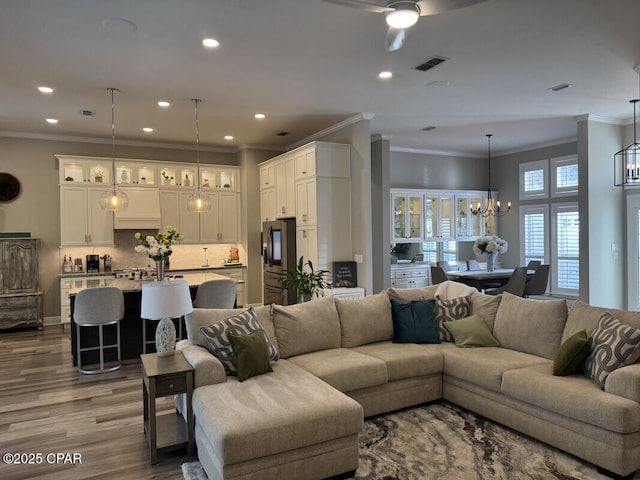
x=612, y=345
x=217, y=336
x=448, y=311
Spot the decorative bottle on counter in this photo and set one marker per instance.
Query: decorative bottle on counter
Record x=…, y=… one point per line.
x=67, y=266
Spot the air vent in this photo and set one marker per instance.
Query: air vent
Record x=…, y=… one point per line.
x=562, y=86
x=87, y=113
x=429, y=128
x=429, y=64
x=282, y=134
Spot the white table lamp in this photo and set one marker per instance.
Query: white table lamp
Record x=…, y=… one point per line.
x=164, y=301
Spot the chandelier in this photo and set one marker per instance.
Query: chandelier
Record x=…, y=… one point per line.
x=198, y=202
x=491, y=207
x=113, y=199
x=627, y=161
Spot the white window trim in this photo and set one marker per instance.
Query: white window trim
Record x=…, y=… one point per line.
x=560, y=162
x=555, y=208
x=528, y=210
x=532, y=166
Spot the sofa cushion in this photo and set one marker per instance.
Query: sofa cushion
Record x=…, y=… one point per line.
x=449, y=310
x=612, y=345
x=471, y=331
x=583, y=316
x=530, y=326
x=365, y=320
x=625, y=381
x=574, y=396
x=277, y=412
x=486, y=306
x=218, y=343
x=485, y=366
x=250, y=354
x=571, y=354
x=412, y=294
x=307, y=327
x=448, y=290
x=414, y=322
x=343, y=368
x=405, y=360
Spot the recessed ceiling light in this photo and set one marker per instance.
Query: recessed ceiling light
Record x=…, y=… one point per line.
x=163, y=104
x=385, y=75
x=260, y=116
x=228, y=137
x=44, y=89
x=52, y=120
x=147, y=129
x=210, y=42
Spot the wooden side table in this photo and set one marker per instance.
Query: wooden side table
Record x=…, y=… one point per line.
x=163, y=376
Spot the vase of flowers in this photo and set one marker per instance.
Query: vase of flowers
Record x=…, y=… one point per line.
x=491, y=246
x=158, y=248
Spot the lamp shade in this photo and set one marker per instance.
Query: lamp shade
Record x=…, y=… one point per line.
x=165, y=300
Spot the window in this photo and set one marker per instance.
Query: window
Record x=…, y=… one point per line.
x=566, y=248
x=564, y=176
x=533, y=180
x=534, y=231
x=434, y=251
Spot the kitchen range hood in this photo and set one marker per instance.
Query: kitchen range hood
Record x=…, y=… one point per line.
x=143, y=212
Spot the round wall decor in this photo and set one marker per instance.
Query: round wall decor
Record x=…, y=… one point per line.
x=9, y=187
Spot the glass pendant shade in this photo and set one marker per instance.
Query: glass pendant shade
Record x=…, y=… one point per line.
x=114, y=200
x=199, y=203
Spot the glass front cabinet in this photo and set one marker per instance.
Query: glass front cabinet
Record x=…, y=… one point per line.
x=406, y=217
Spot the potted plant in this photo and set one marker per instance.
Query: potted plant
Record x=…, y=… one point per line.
x=305, y=280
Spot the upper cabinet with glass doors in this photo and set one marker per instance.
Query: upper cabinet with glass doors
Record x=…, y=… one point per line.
x=406, y=216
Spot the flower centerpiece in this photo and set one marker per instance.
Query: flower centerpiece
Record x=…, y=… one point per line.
x=490, y=245
x=158, y=248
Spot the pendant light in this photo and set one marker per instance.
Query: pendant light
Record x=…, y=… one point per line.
x=198, y=202
x=627, y=161
x=113, y=199
x=491, y=208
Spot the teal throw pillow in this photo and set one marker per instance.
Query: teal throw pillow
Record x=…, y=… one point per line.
x=414, y=322
x=471, y=331
x=571, y=354
x=251, y=354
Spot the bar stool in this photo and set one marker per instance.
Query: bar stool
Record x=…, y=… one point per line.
x=216, y=294
x=97, y=307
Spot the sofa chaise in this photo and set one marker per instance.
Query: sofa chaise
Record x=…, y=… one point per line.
x=338, y=363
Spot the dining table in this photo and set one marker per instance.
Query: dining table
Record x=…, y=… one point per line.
x=482, y=279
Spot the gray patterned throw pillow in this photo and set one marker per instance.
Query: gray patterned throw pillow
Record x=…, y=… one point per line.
x=217, y=336
x=448, y=311
x=613, y=345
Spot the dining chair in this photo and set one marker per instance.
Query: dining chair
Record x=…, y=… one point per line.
x=98, y=307
x=533, y=264
x=438, y=275
x=216, y=294
x=537, y=284
x=515, y=284
x=444, y=265
x=473, y=265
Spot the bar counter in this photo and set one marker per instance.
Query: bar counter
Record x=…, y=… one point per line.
x=131, y=334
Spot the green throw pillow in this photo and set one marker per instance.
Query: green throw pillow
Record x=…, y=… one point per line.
x=414, y=322
x=471, y=331
x=571, y=353
x=251, y=354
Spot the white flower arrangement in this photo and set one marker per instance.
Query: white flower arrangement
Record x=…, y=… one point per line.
x=158, y=247
x=490, y=244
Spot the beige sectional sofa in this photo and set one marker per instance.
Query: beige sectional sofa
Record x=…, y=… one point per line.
x=338, y=364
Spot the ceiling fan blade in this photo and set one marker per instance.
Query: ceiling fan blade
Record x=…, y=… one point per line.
x=361, y=5
x=395, y=38
x=434, y=7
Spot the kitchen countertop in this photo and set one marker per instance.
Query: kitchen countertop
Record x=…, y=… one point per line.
x=126, y=285
x=168, y=272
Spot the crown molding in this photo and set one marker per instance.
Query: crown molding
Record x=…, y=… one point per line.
x=424, y=151
x=333, y=128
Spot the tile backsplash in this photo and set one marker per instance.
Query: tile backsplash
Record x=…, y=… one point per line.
x=125, y=257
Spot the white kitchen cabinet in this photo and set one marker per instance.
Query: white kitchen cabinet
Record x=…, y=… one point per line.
x=285, y=187
x=84, y=170
x=268, y=175
x=409, y=277
x=82, y=221
x=307, y=247
x=305, y=163
x=306, y=202
x=268, y=209
x=218, y=177
x=406, y=216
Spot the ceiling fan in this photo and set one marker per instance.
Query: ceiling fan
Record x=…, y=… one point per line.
x=402, y=14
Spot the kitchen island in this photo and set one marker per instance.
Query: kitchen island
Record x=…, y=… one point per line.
x=131, y=326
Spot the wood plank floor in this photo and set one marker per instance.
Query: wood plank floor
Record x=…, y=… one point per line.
x=46, y=406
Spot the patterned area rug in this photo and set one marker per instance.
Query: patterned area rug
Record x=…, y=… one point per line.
x=441, y=441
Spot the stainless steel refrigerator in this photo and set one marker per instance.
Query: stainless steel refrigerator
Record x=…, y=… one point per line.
x=278, y=254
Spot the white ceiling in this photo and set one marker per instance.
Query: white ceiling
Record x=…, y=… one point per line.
x=309, y=64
